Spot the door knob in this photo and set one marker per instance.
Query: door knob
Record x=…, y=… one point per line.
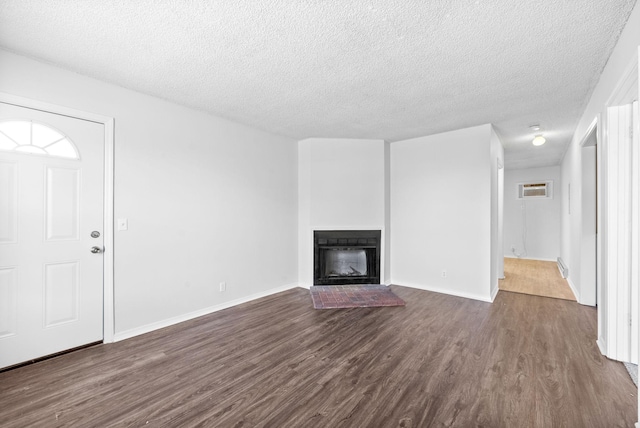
x=96, y=250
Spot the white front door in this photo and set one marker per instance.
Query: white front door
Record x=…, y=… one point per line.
x=51, y=217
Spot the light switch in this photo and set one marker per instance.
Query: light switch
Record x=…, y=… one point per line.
x=123, y=224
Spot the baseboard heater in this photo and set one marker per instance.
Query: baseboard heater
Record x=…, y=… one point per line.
x=564, y=270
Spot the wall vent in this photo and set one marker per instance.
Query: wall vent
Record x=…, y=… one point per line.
x=535, y=190
x=564, y=270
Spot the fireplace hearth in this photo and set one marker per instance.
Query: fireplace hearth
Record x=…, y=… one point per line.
x=346, y=257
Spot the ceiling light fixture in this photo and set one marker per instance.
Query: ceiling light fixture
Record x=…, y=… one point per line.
x=538, y=140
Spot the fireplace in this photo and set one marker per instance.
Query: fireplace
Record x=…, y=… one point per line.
x=346, y=257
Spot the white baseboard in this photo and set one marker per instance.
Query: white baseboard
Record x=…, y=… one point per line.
x=494, y=293
x=487, y=299
x=602, y=346
x=542, y=259
x=195, y=314
x=574, y=289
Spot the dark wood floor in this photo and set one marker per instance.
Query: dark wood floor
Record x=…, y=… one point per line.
x=523, y=361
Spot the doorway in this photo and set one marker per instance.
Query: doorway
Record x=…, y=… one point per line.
x=532, y=230
x=589, y=216
x=55, y=280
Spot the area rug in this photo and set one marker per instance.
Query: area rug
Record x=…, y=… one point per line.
x=353, y=296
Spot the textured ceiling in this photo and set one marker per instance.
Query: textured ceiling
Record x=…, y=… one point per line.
x=359, y=69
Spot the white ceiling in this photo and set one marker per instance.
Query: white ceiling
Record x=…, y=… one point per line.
x=390, y=70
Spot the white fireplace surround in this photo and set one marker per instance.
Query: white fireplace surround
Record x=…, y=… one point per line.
x=343, y=185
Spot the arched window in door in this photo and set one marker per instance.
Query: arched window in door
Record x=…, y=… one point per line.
x=25, y=136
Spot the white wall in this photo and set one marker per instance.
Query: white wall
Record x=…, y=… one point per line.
x=542, y=215
x=441, y=212
x=571, y=236
x=497, y=211
x=343, y=184
x=207, y=200
x=386, y=272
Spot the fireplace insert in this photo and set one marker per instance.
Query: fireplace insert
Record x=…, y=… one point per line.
x=346, y=257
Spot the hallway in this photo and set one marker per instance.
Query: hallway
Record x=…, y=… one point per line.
x=535, y=277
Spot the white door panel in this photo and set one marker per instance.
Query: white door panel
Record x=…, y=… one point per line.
x=51, y=284
x=8, y=202
x=62, y=206
x=8, y=293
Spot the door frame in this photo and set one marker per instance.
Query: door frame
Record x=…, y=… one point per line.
x=108, y=321
x=591, y=138
x=617, y=252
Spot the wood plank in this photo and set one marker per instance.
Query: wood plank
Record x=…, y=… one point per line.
x=522, y=361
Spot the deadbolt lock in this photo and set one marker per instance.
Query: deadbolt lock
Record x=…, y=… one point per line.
x=95, y=234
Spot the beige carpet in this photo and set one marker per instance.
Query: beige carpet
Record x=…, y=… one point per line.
x=535, y=277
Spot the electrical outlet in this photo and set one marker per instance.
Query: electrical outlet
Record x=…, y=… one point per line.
x=223, y=287
x=444, y=273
